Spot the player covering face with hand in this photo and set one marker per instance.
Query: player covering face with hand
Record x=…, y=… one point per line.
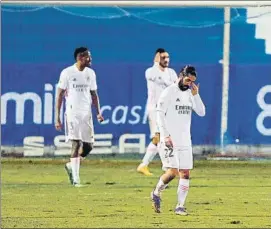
x=174, y=110
x=158, y=77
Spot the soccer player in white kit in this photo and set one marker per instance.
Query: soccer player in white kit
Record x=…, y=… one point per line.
x=174, y=110
x=78, y=84
x=158, y=77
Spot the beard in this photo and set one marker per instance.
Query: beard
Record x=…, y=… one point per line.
x=164, y=65
x=182, y=86
x=87, y=64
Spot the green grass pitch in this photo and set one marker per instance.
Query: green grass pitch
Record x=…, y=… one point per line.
x=36, y=194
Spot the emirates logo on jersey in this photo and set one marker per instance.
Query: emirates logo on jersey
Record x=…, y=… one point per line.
x=80, y=87
x=185, y=110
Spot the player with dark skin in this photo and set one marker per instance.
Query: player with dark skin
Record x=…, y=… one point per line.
x=79, y=148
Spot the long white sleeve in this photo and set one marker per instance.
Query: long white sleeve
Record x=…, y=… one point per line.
x=173, y=76
x=161, y=123
x=151, y=87
x=198, y=105
x=150, y=74
x=162, y=107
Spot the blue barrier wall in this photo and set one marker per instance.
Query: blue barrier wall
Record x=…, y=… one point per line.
x=39, y=43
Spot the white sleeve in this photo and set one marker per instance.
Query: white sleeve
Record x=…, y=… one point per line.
x=162, y=107
x=151, y=89
x=150, y=84
x=93, y=83
x=173, y=76
x=198, y=105
x=63, y=80
x=149, y=74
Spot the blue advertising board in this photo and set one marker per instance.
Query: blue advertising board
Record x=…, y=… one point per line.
x=38, y=44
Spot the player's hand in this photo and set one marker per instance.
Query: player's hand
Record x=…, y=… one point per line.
x=58, y=125
x=168, y=142
x=157, y=58
x=100, y=118
x=194, y=89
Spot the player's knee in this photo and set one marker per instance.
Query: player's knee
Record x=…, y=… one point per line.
x=75, y=145
x=87, y=147
x=170, y=175
x=156, y=139
x=174, y=172
x=184, y=174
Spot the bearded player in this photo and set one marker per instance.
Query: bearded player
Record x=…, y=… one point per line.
x=158, y=77
x=174, y=110
x=78, y=84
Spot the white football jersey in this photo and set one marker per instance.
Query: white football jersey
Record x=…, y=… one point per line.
x=174, y=110
x=78, y=85
x=157, y=81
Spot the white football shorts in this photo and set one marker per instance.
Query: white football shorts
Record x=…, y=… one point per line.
x=79, y=127
x=178, y=157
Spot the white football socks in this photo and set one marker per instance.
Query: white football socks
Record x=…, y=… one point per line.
x=182, y=191
x=75, y=166
x=150, y=154
x=159, y=187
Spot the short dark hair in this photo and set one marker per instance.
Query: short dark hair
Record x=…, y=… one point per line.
x=79, y=50
x=188, y=69
x=160, y=50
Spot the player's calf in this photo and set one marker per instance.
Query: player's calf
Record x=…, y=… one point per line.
x=164, y=181
x=86, y=149
x=76, y=144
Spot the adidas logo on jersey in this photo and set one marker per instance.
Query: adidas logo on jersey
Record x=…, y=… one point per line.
x=177, y=100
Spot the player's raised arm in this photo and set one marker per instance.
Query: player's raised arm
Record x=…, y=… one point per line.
x=157, y=58
x=198, y=105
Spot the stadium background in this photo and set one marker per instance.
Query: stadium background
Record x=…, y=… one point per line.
x=38, y=42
